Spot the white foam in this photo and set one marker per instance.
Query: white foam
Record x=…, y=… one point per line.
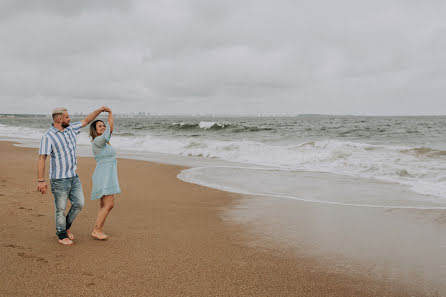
x=209, y=125
x=423, y=174
x=20, y=132
x=233, y=179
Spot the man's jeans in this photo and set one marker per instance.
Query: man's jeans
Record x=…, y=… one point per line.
x=64, y=189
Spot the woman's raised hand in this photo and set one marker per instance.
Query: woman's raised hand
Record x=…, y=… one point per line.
x=105, y=108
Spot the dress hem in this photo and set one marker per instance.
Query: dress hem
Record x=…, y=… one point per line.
x=106, y=191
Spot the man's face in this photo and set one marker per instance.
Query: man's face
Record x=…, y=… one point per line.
x=65, y=119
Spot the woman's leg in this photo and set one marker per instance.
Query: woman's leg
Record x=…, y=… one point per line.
x=105, y=206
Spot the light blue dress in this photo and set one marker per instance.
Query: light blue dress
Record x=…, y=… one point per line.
x=105, y=176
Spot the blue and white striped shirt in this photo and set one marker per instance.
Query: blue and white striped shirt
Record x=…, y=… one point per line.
x=62, y=148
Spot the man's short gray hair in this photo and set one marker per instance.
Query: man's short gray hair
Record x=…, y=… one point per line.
x=58, y=111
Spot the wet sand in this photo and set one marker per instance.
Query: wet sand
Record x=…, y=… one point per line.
x=167, y=238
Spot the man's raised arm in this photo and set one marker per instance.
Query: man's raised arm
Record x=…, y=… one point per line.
x=88, y=119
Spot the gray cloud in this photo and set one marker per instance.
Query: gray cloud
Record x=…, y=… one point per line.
x=380, y=57
x=67, y=8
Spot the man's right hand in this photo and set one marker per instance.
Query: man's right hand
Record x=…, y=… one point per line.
x=42, y=187
x=105, y=108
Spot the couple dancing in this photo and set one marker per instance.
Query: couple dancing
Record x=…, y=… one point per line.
x=59, y=141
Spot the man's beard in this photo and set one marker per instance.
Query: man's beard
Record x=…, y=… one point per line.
x=65, y=125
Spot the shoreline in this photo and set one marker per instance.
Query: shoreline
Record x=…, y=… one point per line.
x=168, y=237
x=414, y=199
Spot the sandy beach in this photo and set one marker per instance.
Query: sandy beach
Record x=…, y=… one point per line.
x=171, y=238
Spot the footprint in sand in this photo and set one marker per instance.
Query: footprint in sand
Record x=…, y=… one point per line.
x=28, y=256
x=90, y=284
x=13, y=246
x=2, y=194
x=87, y=273
x=21, y=207
x=23, y=255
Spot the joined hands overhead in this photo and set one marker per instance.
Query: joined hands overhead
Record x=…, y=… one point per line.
x=105, y=108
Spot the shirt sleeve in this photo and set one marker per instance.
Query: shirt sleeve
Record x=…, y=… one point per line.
x=77, y=127
x=103, y=139
x=45, y=145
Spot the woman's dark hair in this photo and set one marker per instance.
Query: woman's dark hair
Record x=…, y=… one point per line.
x=93, y=133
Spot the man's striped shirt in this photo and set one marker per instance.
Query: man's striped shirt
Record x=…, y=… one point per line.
x=61, y=146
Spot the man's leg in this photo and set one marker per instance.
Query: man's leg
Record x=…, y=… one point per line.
x=60, y=189
x=76, y=197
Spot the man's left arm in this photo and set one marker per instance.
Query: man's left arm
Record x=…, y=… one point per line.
x=88, y=119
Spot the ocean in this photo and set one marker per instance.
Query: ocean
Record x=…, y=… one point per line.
x=271, y=156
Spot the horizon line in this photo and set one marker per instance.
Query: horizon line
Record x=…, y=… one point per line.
x=148, y=114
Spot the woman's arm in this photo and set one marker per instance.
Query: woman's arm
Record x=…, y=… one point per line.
x=100, y=141
x=110, y=120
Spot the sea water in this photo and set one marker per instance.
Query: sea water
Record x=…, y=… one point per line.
x=283, y=157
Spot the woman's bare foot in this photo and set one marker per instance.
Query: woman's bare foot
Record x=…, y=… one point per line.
x=99, y=235
x=70, y=235
x=66, y=241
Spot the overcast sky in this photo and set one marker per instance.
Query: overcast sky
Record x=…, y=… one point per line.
x=230, y=56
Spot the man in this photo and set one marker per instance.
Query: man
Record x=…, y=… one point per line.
x=59, y=142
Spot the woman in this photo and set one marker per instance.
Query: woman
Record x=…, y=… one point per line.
x=105, y=176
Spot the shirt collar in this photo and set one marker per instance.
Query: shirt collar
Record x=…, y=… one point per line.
x=54, y=129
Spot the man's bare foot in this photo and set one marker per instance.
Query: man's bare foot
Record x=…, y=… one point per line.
x=99, y=235
x=70, y=235
x=66, y=241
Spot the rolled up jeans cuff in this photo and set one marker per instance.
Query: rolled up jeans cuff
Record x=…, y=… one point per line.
x=62, y=234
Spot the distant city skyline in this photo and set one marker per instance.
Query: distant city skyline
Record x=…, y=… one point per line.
x=224, y=57
x=228, y=115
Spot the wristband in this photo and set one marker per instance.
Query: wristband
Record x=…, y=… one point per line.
x=40, y=181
